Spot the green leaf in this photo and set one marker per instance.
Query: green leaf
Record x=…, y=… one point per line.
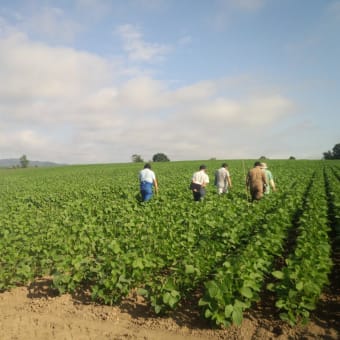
x=213, y=289
x=166, y=297
x=228, y=310
x=271, y=287
x=240, y=304
x=142, y=292
x=278, y=274
x=115, y=247
x=237, y=317
x=189, y=269
x=158, y=309
x=169, y=285
x=203, y=302
x=309, y=306
x=299, y=286
x=208, y=313
x=171, y=298
x=246, y=291
x=227, y=264
x=138, y=263
x=280, y=304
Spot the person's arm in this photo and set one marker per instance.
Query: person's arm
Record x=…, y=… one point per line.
x=247, y=180
x=271, y=180
x=264, y=178
x=229, y=179
x=155, y=183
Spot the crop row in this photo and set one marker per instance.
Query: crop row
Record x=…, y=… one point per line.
x=238, y=282
x=300, y=282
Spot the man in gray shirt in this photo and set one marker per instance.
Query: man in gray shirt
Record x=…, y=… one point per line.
x=222, y=179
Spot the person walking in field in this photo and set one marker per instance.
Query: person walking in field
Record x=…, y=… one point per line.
x=256, y=181
x=199, y=181
x=222, y=179
x=269, y=179
x=147, y=180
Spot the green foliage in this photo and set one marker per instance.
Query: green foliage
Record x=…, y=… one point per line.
x=24, y=161
x=85, y=227
x=160, y=157
x=334, y=154
x=137, y=158
x=299, y=283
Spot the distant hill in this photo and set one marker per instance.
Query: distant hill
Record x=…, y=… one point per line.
x=12, y=162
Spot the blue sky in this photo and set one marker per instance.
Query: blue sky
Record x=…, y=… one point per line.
x=96, y=81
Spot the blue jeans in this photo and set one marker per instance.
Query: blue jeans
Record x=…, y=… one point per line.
x=146, y=191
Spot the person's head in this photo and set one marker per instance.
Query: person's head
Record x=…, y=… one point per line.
x=203, y=167
x=257, y=164
x=224, y=165
x=264, y=166
x=147, y=166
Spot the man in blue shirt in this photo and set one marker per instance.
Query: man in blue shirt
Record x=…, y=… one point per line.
x=269, y=178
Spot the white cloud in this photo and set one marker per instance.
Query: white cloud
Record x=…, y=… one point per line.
x=65, y=105
x=139, y=50
x=266, y=109
x=38, y=74
x=24, y=140
x=195, y=92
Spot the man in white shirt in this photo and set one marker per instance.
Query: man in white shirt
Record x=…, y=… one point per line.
x=199, y=181
x=147, y=180
x=222, y=179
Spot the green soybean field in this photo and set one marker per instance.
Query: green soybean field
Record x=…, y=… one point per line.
x=85, y=227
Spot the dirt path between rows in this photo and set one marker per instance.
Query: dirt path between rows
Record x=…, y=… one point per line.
x=35, y=312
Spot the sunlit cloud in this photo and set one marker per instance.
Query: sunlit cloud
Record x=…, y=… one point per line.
x=75, y=103
x=63, y=99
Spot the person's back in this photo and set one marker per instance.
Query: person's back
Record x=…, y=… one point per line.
x=146, y=175
x=222, y=179
x=200, y=177
x=256, y=180
x=255, y=177
x=221, y=176
x=198, y=183
x=147, y=179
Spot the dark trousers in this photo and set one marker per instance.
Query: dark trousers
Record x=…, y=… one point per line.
x=199, y=194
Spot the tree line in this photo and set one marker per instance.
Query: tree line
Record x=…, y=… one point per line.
x=162, y=157
x=334, y=154
x=158, y=157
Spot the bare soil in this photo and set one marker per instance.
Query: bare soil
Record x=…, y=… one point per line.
x=36, y=312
